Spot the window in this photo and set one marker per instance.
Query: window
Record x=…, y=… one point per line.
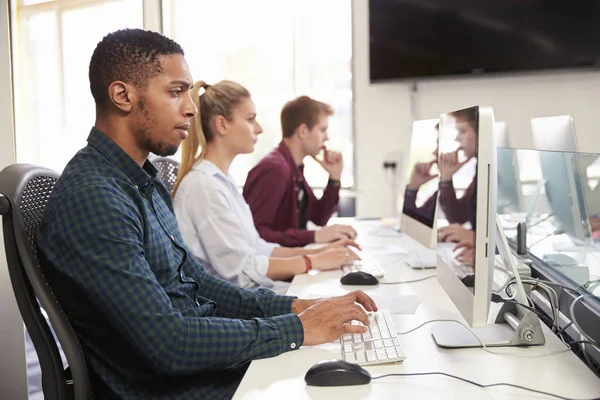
x=53, y=42
x=278, y=50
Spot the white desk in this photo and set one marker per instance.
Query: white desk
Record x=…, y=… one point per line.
x=282, y=377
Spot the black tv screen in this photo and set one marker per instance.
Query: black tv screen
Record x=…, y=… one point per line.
x=426, y=38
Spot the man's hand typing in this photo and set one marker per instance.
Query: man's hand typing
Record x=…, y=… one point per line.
x=325, y=320
x=334, y=232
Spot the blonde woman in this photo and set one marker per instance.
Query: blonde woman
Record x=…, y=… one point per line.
x=214, y=219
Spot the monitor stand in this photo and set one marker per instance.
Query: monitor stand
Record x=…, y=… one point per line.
x=514, y=325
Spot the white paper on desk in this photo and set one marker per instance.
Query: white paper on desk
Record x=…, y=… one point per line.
x=320, y=291
x=385, y=249
x=404, y=304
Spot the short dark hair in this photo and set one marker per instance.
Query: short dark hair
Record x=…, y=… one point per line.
x=302, y=110
x=469, y=115
x=128, y=55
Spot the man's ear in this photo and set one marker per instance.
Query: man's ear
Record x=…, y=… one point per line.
x=121, y=95
x=302, y=130
x=220, y=125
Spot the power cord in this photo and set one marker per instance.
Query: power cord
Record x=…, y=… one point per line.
x=483, y=346
x=586, y=342
x=554, y=302
x=411, y=281
x=555, y=232
x=584, y=336
x=478, y=384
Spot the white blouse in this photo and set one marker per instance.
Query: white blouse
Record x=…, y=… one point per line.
x=217, y=226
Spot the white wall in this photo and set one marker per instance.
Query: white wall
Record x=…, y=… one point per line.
x=381, y=122
x=383, y=113
x=13, y=375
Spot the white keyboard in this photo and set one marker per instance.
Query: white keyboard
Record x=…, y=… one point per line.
x=378, y=345
x=367, y=263
x=448, y=254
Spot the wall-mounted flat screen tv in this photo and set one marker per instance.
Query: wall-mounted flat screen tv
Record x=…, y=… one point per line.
x=428, y=38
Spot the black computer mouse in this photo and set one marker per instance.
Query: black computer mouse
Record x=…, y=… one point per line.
x=468, y=280
x=358, y=278
x=336, y=373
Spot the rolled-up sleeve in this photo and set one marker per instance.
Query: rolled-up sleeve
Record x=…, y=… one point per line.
x=265, y=248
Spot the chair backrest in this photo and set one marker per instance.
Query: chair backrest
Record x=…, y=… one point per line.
x=26, y=189
x=167, y=171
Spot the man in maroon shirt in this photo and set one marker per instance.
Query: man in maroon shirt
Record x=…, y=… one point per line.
x=279, y=197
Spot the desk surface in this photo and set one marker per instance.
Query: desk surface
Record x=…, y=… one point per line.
x=283, y=376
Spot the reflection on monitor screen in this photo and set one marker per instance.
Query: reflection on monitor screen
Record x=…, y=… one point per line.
x=467, y=209
x=458, y=191
x=420, y=196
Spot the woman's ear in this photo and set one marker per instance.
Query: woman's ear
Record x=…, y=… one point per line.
x=220, y=124
x=120, y=94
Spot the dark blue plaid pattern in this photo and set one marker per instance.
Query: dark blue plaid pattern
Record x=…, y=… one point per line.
x=152, y=323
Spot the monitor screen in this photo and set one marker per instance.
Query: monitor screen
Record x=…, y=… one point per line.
x=564, y=184
x=457, y=162
x=420, y=196
x=555, y=133
x=509, y=186
x=426, y=38
x=466, y=219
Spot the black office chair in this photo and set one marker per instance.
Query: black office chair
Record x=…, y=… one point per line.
x=26, y=189
x=167, y=170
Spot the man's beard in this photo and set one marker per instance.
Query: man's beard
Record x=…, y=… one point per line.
x=163, y=149
x=144, y=136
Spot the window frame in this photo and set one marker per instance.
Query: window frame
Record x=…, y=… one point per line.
x=350, y=190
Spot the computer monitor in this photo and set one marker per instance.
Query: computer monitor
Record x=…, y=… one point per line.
x=564, y=183
x=555, y=133
x=510, y=196
x=469, y=133
x=418, y=217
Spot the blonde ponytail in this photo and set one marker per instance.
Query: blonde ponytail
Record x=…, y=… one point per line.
x=218, y=99
x=195, y=139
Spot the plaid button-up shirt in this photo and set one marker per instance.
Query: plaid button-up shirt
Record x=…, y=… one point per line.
x=152, y=323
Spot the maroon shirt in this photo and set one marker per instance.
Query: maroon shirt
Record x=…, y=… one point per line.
x=458, y=211
x=271, y=191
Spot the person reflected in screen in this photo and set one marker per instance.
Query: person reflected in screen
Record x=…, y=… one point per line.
x=460, y=212
x=151, y=322
x=420, y=175
x=213, y=216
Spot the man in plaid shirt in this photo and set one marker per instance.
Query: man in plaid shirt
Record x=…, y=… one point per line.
x=152, y=323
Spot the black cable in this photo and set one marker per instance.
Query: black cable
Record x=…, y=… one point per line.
x=479, y=384
x=585, y=342
x=564, y=328
x=538, y=312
